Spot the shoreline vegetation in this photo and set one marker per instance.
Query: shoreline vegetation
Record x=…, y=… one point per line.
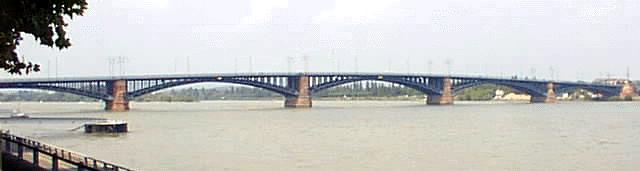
x=358, y=91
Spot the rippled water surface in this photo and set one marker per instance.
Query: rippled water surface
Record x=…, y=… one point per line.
x=340, y=135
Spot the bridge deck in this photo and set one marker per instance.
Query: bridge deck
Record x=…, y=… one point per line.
x=284, y=74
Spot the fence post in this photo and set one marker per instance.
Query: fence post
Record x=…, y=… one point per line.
x=7, y=145
x=54, y=162
x=36, y=158
x=20, y=151
x=2, y=141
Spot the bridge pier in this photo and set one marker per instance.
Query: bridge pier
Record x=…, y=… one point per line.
x=550, y=98
x=303, y=100
x=629, y=90
x=118, y=90
x=447, y=94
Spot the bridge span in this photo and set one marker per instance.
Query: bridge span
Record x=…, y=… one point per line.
x=298, y=88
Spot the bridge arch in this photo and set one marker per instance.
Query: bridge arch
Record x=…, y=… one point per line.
x=419, y=84
x=66, y=90
x=537, y=90
x=280, y=88
x=593, y=89
x=95, y=92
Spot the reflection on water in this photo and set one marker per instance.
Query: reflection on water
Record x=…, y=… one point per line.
x=364, y=135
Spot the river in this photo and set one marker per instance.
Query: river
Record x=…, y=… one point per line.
x=350, y=135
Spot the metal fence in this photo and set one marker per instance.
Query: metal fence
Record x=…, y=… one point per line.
x=48, y=156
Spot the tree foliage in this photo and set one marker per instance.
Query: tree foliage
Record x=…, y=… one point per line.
x=44, y=19
x=482, y=92
x=42, y=96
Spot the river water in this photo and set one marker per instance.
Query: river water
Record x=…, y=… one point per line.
x=351, y=135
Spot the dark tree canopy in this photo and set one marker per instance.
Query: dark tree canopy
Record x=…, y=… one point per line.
x=44, y=19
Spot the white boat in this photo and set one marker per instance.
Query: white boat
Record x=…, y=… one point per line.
x=19, y=115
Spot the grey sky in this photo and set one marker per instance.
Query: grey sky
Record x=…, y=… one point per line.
x=579, y=38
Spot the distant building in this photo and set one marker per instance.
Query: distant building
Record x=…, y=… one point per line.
x=498, y=95
x=502, y=95
x=611, y=81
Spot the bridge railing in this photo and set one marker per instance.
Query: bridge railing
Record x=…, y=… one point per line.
x=461, y=76
x=139, y=77
x=21, y=147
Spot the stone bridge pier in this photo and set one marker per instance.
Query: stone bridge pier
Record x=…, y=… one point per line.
x=303, y=100
x=118, y=90
x=447, y=94
x=550, y=98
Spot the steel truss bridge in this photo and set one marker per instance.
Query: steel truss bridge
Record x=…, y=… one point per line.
x=297, y=88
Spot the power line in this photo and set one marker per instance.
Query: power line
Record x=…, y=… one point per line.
x=552, y=71
x=533, y=72
x=355, y=62
x=430, y=66
x=338, y=64
x=48, y=68
x=306, y=63
x=408, y=64
x=188, y=65
x=250, y=64
x=112, y=62
x=56, y=67
x=448, y=62
x=388, y=64
x=122, y=64
x=175, y=64
x=628, y=73
x=235, y=64
x=333, y=55
x=289, y=64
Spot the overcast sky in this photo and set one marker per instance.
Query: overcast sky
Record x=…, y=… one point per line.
x=580, y=39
